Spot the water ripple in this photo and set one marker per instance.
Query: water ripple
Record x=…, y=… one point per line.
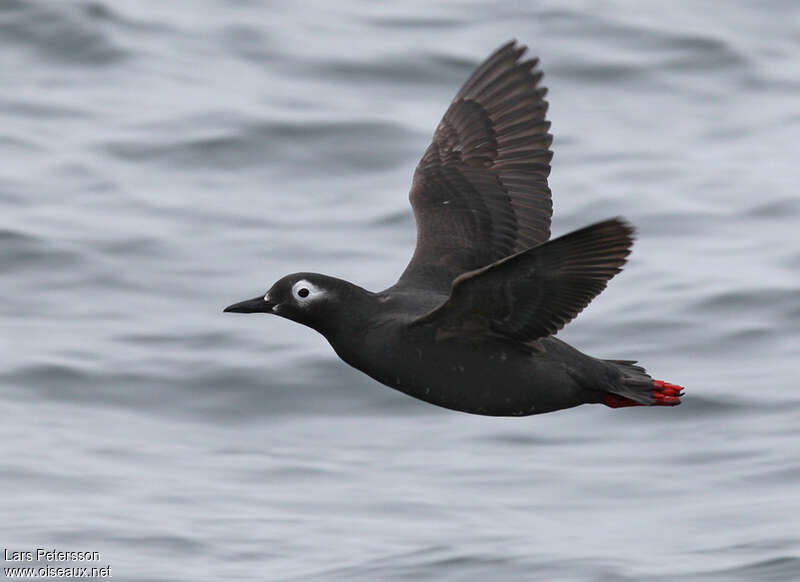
x=67, y=32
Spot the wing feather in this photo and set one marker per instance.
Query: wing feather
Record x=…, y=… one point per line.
x=480, y=190
x=534, y=293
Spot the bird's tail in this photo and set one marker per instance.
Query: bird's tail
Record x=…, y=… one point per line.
x=637, y=388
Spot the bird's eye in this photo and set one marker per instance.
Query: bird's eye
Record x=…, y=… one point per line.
x=302, y=292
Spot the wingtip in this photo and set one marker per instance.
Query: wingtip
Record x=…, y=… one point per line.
x=512, y=46
x=628, y=226
x=618, y=222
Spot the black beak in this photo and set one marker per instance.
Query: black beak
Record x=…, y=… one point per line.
x=254, y=305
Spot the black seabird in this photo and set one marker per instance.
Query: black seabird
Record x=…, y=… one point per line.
x=469, y=325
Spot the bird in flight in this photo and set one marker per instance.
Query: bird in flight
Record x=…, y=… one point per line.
x=470, y=323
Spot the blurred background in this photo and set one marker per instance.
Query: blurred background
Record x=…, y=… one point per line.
x=161, y=160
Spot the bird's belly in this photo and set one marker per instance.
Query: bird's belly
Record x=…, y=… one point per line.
x=490, y=379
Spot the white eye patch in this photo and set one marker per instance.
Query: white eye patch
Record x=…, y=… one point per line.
x=305, y=292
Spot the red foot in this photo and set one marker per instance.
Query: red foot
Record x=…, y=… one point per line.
x=664, y=394
x=617, y=401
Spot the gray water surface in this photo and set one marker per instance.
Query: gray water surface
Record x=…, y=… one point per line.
x=161, y=160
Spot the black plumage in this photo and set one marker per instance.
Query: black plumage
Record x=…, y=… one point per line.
x=535, y=292
x=469, y=325
x=480, y=190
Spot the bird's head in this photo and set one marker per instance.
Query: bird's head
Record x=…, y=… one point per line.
x=308, y=298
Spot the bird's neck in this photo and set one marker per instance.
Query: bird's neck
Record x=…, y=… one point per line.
x=349, y=317
x=346, y=328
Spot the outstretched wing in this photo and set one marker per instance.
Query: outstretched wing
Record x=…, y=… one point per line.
x=536, y=292
x=480, y=191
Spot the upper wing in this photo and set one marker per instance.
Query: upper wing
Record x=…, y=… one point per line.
x=536, y=292
x=480, y=190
